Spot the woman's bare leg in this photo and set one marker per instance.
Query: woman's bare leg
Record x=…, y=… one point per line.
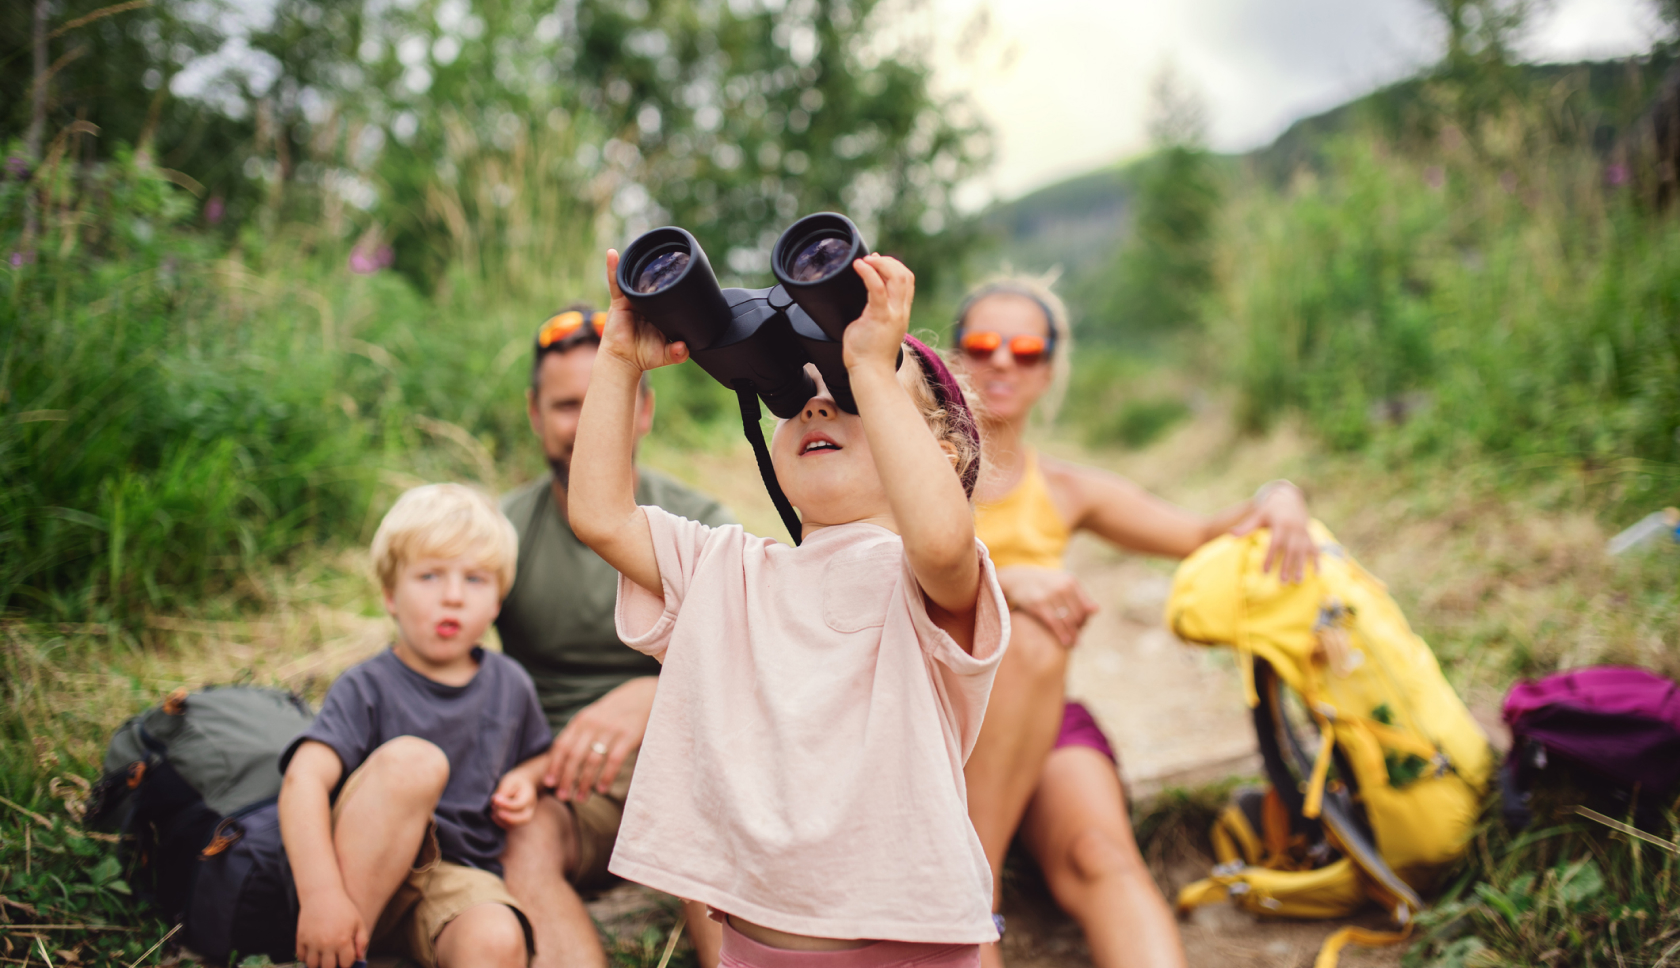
x=1022, y=719
x=1077, y=829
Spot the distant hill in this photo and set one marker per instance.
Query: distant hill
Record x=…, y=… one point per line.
x=1079, y=223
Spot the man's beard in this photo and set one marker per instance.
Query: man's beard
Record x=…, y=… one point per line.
x=561, y=468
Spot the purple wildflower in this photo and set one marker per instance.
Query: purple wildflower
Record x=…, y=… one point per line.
x=214, y=209
x=17, y=168
x=362, y=262
x=1435, y=177
x=366, y=260
x=1616, y=175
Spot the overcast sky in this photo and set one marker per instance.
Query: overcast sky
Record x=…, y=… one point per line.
x=1066, y=82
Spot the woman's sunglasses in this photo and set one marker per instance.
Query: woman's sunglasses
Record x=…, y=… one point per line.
x=565, y=329
x=1028, y=350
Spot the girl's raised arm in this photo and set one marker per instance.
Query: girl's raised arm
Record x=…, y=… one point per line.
x=927, y=499
x=601, y=496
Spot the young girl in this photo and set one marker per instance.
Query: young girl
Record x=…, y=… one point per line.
x=802, y=771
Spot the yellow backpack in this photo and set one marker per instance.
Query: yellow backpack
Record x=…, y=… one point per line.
x=1384, y=808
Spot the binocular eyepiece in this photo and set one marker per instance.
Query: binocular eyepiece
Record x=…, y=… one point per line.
x=757, y=339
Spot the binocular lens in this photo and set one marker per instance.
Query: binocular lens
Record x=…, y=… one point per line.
x=661, y=271
x=820, y=258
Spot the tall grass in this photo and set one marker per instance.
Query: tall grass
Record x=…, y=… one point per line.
x=1512, y=303
x=177, y=415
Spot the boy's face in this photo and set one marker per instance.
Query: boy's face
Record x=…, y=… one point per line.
x=443, y=607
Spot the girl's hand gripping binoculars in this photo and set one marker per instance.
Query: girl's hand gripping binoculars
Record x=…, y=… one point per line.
x=757, y=341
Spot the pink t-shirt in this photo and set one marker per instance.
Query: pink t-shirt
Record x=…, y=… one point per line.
x=803, y=763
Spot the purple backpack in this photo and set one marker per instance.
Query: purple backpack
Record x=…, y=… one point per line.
x=1616, y=728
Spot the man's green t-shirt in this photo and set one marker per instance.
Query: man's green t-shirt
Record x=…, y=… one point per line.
x=557, y=621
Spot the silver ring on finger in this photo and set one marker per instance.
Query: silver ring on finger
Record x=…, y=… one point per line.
x=598, y=748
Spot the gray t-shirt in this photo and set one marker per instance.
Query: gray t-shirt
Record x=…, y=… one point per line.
x=557, y=620
x=485, y=728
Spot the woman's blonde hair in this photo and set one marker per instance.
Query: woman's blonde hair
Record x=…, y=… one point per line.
x=957, y=430
x=445, y=521
x=1041, y=290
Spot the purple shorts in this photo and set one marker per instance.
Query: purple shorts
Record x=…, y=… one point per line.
x=1079, y=729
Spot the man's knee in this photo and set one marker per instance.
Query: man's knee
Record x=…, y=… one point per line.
x=411, y=764
x=549, y=842
x=487, y=934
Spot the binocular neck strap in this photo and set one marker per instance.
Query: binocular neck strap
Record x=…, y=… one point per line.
x=747, y=394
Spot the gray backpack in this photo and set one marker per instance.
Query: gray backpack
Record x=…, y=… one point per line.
x=179, y=776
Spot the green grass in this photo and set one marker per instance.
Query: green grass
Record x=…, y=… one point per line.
x=1567, y=890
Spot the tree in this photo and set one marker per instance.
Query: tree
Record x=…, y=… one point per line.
x=1477, y=69
x=1164, y=269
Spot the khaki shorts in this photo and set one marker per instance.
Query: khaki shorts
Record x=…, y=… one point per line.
x=597, y=829
x=435, y=893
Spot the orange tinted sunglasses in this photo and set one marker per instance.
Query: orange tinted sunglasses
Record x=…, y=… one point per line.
x=561, y=328
x=1028, y=350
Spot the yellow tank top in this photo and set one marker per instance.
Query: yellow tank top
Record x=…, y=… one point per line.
x=1024, y=528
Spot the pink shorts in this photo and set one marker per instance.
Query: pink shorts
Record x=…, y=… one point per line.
x=740, y=951
x=1080, y=729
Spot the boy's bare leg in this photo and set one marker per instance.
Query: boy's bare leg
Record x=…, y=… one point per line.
x=534, y=864
x=705, y=934
x=382, y=819
x=483, y=936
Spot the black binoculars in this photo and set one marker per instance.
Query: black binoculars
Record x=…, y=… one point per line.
x=757, y=340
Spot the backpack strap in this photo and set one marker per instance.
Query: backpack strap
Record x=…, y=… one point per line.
x=1333, y=945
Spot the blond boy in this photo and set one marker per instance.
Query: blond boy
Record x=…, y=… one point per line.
x=395, y=799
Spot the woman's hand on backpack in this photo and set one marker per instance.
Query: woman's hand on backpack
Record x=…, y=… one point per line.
x=1282, y=508
x=330, y=932
x=1054, y=597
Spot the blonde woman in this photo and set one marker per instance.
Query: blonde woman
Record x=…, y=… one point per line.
x=1042, y=768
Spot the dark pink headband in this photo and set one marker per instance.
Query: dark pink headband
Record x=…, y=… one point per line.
x=949, y=393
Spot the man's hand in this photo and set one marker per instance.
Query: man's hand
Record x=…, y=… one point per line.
x=631, y=338
x=330, y=932
x=515, y=800
x=1283, y=510
x=589, y=752
x=1055, y=598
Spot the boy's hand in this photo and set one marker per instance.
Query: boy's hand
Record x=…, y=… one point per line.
x=330, y=933
x=879, y=332
x=631, y=338
x=515, y=800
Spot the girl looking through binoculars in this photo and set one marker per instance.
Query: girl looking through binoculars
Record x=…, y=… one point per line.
x=802, y=771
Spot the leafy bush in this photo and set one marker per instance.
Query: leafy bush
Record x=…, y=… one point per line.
x=1519, y=309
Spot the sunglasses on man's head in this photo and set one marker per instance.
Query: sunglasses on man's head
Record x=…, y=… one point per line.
x=568, y=327
x=981, y=344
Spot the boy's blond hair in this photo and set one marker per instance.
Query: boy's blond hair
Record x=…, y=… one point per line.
x=445, y=521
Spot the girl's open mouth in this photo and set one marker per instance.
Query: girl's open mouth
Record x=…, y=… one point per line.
x=448, y=628
x=817, y=442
